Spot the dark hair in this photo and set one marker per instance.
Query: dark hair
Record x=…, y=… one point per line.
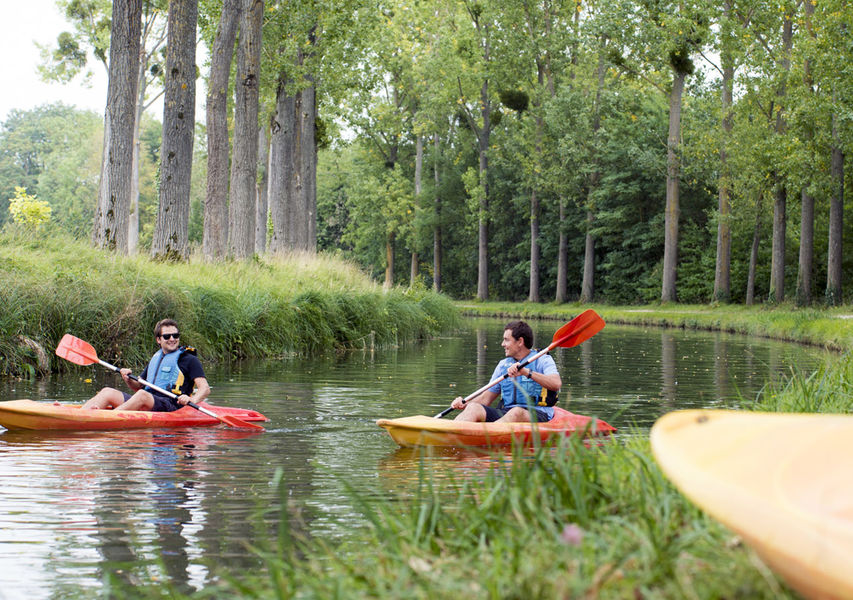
x=520, y=329
x=158, y=328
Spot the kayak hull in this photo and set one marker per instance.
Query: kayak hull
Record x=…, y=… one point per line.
x=428, y=431
x=46, y=416
x=783, y=482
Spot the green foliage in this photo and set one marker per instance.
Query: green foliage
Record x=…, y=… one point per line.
x=54, y=151
x=91, y=22
x=579, y=116
x=28, y=211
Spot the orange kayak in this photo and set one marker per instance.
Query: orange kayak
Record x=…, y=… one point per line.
x=429, y=431
x=27, y=414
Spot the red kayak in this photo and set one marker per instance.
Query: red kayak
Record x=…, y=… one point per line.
x=27, y=414
x=430, y=431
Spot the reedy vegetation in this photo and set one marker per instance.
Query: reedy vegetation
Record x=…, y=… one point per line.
x=264, y=308
x=572, y=520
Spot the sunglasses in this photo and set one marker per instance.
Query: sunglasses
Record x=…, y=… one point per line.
x=169, y=336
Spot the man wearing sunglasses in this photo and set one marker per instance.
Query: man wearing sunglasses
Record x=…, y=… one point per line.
x=173, y=367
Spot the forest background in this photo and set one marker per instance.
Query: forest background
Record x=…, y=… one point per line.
x=622, y=152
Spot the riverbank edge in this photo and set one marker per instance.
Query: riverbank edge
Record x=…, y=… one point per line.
x=831, y=329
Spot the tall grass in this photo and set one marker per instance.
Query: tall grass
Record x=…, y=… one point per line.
x=567, y=521
x=266, y=307
x=827, y=390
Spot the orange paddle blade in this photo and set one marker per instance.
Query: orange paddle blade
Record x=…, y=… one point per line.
x=578, y=330
x=76, y=350
x=238, y=423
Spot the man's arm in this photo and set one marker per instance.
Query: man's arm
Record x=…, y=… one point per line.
x=202, y=391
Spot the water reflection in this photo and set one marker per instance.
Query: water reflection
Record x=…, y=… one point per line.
x=667, y=370
x=183, y=506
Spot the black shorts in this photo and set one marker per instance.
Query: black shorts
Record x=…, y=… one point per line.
x=161, y=403
x=493, y=414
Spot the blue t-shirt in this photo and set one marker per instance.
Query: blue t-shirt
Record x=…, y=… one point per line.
x=509, y=387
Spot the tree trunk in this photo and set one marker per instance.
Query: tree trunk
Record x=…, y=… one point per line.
x=419, y=169
x=562, y=257
x=176, y=151
x=262, y=213
x=806, y=259
x=389, y=261
x=308, y=151
x=216, y=199
x=281, y=166
x=244, y=157
x=110, y=228
x=483, y=218
x=413, y=273
x=588, y=283
x=436, y=232
x=673, y=172
x=780, y=220
x=533, y=295
x=753, y=260
x=804, y=272
x=142, y=83
x=777, y=264
x=533, y=289
x=293, y=170
x=722, y=272
x=836, y=222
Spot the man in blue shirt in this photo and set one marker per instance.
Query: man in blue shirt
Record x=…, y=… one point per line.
x=523, y=387
x=173, y=367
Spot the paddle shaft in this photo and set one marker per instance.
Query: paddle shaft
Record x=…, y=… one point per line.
x=209, y=413
x=526, y=362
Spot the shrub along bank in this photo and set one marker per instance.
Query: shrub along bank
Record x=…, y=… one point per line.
x=302, y=303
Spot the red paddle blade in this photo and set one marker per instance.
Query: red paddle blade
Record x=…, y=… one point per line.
x=578, y=330
x=233, y=421
x=76, y=350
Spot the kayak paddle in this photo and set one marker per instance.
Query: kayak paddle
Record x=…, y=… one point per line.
x=573, y=333
x=82, y=353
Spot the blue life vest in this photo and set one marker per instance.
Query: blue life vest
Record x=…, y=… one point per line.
x=521, y=390
x=163, y=371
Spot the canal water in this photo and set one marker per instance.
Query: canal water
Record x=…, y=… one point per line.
x=78, y=510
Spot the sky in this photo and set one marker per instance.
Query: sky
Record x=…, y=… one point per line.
x=21, y=25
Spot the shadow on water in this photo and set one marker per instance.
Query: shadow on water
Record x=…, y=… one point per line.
x=183, y=506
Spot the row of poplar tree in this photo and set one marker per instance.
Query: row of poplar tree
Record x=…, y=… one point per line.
x=622, y=150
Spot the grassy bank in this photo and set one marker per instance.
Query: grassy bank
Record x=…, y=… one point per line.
x=568, y=522
x=263, y=308
x=829, y=328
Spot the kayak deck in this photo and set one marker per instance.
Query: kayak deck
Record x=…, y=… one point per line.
x=37, y=416
x=428, y=431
